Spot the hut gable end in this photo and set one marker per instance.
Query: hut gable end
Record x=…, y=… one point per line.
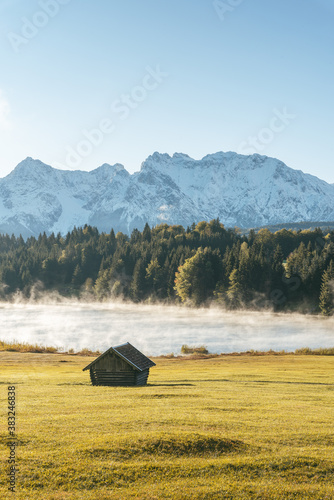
x=112, y=362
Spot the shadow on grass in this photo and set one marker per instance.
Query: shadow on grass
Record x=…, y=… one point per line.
x=76, y=383
x=168, y=385
x=263, y=381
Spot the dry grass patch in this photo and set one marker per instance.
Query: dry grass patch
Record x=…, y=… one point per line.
x=182, y=445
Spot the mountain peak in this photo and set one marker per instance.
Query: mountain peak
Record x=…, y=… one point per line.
x=107, y=166
x=31, y=162
x=108, y=169
x=31, y=167
x=181, y=156
x=158, y=157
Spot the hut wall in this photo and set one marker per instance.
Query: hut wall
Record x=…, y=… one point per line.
x=104, y=377
x=92, y=376
x=141, y=377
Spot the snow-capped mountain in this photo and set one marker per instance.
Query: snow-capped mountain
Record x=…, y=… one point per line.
x=246, y=191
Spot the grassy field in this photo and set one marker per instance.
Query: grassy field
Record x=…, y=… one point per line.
x=234, y=427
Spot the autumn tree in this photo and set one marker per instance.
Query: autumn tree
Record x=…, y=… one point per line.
x=197, y=277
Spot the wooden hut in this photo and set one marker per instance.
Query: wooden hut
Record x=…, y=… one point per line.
x=120, y=365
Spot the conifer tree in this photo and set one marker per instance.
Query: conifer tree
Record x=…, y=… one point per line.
x=326, y=299
x=147, y=233
x=138, y=284
x=234, y=292
x=102, y=285
x=277, y=265
x=154, y=275
x=77, y=278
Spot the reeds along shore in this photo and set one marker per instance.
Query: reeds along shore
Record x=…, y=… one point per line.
x=186, y=351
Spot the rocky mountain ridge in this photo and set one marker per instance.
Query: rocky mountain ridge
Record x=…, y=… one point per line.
x=243, y=191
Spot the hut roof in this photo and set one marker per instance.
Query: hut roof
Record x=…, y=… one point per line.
x=130, y=354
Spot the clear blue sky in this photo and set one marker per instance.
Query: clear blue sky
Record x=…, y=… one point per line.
x=227, y=72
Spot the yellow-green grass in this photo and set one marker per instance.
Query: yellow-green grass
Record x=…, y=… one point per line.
x=234, y=427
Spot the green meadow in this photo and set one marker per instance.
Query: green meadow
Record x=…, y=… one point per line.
x=231, y=427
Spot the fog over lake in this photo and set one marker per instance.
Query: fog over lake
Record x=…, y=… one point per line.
x=160, y=329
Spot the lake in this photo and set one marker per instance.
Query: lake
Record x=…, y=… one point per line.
x=160, y=329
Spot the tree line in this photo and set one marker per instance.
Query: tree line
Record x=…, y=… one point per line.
x=204, y=263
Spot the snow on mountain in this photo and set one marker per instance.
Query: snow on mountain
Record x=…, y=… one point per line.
x=246, y=191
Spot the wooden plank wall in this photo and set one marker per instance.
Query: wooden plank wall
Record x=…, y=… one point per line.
x=141, y=377
x=103, y=377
